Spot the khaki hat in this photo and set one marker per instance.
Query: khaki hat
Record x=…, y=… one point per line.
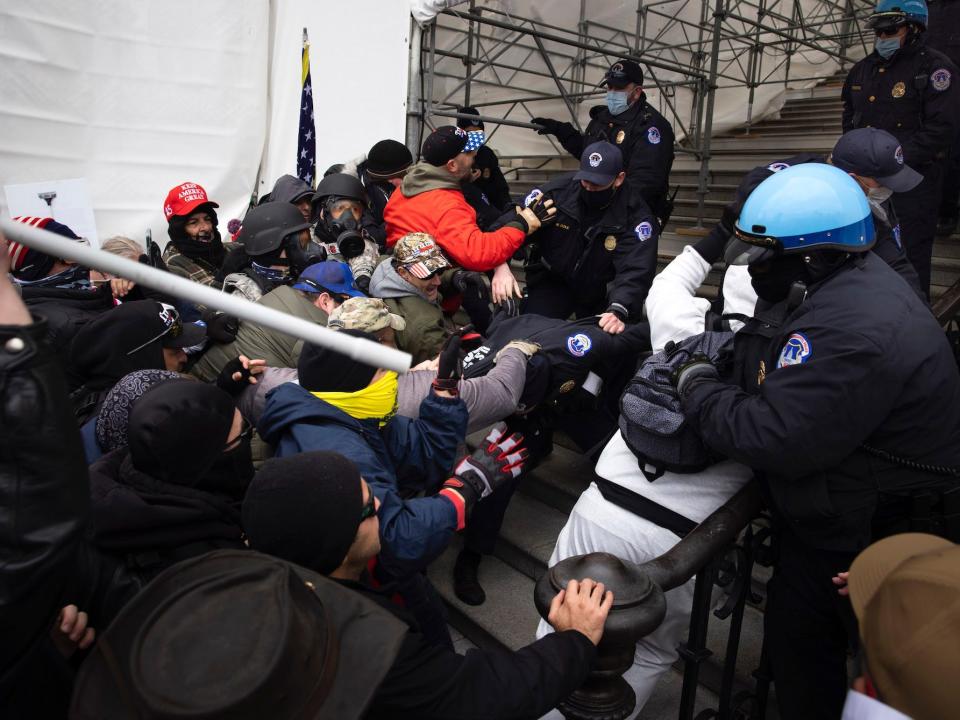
x=905, y=591
x=366, y=314
x=419, y=254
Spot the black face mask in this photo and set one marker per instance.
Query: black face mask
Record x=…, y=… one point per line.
x=597, y=199
x=231, y=473
x=772, y=280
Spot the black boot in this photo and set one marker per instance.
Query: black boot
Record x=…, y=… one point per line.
x=465, y=583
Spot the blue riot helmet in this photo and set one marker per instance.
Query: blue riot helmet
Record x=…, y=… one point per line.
x=813, y=206
x=889, y=15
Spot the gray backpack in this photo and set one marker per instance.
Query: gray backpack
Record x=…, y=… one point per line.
x=651, y=419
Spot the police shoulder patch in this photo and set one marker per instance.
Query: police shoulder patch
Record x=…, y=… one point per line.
x=644, y=231
x=579, y=345
x=796, y=350
x=531, y=198
x=777, y=166
x=940, y=79
x=653, y=136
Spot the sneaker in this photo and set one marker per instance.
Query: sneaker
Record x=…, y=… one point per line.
x=465, y=584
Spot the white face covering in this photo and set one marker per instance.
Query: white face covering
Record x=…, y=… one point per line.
x=879, y=195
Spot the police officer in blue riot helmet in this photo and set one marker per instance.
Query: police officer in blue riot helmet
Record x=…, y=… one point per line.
x=910, y=90
x=843, y=395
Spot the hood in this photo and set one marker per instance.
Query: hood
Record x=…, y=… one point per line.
x=100, y=352
x=424, y=177
x=290, y=404
x=387, y=283
x=289, y=188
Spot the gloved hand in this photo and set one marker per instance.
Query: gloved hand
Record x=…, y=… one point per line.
x=239, y=373
x=363, y=283
x=698, y=366
x=497, y=461
x=221, y=328
x=550, y=127
x=539, y=212
x=510, y=306
x=450, y=367
x=464, y=279
x=711, y=247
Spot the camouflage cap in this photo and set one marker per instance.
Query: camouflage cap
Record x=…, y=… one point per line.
x=419, y=254
x=364, y=313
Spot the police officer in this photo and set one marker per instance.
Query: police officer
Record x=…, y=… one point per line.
x=848, y=410
x=909, y=90
x=339, y=205
x=600, y=238
x=943, y=34
x=626, y=120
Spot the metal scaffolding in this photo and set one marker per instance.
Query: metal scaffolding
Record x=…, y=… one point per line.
x=688, y=51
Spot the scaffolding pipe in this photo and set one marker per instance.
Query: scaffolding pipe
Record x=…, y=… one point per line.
x=365, y=351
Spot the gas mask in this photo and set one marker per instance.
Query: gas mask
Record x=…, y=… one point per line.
x=346, y=230
x=302, y=258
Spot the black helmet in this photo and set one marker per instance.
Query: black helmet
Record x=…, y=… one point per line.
x=265, y=227
x=340, y=185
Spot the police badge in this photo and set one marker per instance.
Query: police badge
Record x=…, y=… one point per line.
x=620, y=136
x=899, y=90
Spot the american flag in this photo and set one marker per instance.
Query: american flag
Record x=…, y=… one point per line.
x=306, y=138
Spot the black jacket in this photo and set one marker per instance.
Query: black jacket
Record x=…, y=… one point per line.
x=913, y=96
x=491, y=182
x=44, y=502
x=428, y=682
x=646, y=140
x=861, y=361
x=66, y=311
x=943, y=28
x=619, y=247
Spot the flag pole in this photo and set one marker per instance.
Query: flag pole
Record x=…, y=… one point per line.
x=365, y=351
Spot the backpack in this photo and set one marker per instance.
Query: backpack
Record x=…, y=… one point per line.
x=651, y=419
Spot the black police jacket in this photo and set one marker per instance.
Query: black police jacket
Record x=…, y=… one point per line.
x=913, y=96
x=860, y=362
x=619, y=247
x=646, y=140
x=943, y=28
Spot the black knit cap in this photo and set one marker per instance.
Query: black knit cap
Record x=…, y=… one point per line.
x=464, y=122
x=321, y=369
x=178, y=430
x=388, y=159
x=304, y=508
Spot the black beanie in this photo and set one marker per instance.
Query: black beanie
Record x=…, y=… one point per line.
x=321, y=369
x=178, y=430
x=387, y=159
x=464, y=122
x=305, y=509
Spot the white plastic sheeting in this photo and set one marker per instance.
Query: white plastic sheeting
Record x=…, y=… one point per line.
x=731, y=104
x=138, y=97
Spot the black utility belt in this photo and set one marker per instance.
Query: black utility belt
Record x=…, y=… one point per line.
x=644, y=507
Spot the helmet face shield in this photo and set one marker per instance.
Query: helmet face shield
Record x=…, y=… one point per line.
x=887, y=22
x=741, y=251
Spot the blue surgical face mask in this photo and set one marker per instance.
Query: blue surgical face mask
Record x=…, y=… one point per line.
x=886, y=47
x=617, y=101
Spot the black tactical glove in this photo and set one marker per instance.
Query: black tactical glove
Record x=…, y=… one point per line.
x=221, y=328
x=497, y=461
x=225, y=379
x=697, y=367
x=510, y=307
x=464, y=279
x=363, y=283
x=549, y=127
x=450, y=366
x=543, y=208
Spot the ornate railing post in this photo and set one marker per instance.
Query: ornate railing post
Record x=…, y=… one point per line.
x=638, y=604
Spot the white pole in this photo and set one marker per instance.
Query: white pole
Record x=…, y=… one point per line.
x=365, y=351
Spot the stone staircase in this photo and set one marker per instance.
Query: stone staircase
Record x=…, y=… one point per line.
x=808, y=122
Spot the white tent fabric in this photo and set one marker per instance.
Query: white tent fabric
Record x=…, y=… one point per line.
x=139, y=97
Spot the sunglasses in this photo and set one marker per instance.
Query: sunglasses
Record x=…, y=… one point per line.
x=369, y=507
x=246, y=432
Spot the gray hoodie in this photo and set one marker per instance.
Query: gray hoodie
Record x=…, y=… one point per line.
x=289, y=188
x=387, y=283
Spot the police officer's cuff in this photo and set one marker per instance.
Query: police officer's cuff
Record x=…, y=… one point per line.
x=619, y=310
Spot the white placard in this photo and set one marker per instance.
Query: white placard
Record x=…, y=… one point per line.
x=69, y=204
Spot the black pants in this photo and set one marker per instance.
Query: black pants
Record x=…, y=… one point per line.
x=917, y=211
x=808, y=628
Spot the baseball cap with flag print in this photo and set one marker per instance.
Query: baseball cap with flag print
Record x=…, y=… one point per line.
x=419, y=255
